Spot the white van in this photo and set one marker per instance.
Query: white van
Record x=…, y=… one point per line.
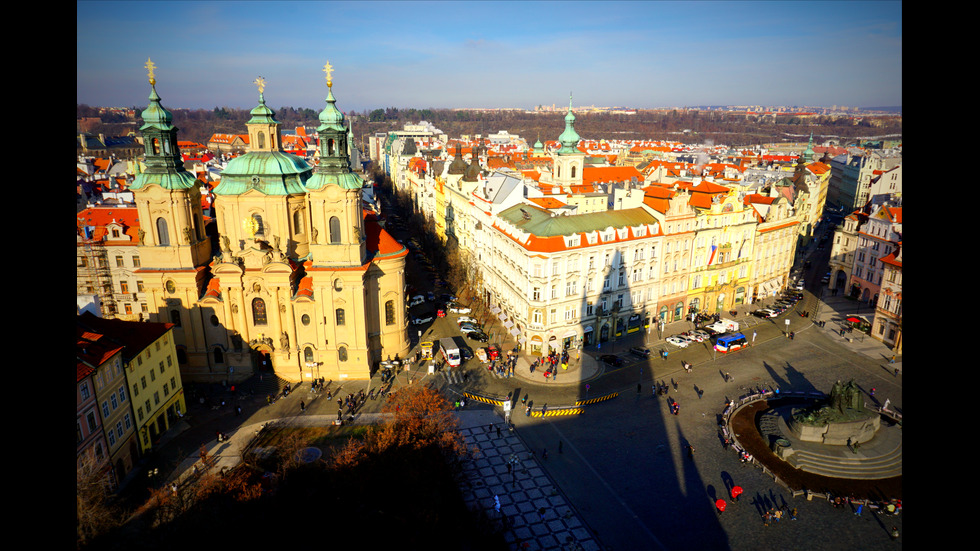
x=723, y=326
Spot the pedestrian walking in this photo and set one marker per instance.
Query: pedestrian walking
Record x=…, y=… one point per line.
x=302, y=406
x=894, y=533
x=872, y=391
x=728, y=377
x=496, y=504
x=524, y=400
x=857, y=513
x=498, y=431
x=891, y=361
x=753, y=337
x=559, y=446
x=544, y=454
x=792, y=514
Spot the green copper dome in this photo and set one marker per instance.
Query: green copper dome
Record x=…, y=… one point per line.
x=569, y=138
x=334, y=166
x=262, y=114
x=155, y=116
x=331, y=117
x=270, y=172
x=164, y=165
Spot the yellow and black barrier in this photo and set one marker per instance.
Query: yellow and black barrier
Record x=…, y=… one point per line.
x=557, y=411
x=596, y=399
x=483, y=399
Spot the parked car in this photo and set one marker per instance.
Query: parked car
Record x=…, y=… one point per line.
x=612, y=360
x=440, y=313
x=449, y=298
x=478, y=336
x=763, y=313
x=691, y=336
x=466, y=319
x=416, y=300
x=640, y=351
x=469, y=328
x=459, y=309
x=678, y=341
x=703, y=334
x=420, y=321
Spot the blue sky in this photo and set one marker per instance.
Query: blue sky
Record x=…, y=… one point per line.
x=642, y=54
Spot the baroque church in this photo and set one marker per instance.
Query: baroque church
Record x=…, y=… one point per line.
x=301, y=281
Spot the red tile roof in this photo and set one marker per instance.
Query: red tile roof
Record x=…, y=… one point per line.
x=99, y=217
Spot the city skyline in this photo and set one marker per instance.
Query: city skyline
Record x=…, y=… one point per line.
x=491, y=54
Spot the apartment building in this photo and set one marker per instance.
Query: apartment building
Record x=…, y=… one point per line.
x=103, y=354
x=569, y=281
x=107, y=260
x=152, y=377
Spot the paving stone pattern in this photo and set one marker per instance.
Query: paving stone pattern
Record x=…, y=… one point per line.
x=523, y=494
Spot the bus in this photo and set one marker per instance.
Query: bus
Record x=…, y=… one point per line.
x=730, y=341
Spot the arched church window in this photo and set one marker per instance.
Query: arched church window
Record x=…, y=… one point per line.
x=163, y=236
x=258, y=312
x=261, y=137
x=342, y=353
x=573, y=171
x=175, y=317
x=330, y=146
x=334, y=229
x=308, y=355
x=219, y=356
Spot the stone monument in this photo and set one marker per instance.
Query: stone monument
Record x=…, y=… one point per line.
x=840, y=420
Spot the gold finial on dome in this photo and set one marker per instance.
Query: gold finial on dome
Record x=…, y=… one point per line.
x=329, y=70
x=149, y=67
x=260, y=82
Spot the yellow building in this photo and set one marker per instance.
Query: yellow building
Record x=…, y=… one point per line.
x=152, y=389
x=301, y=280
x=723, y=248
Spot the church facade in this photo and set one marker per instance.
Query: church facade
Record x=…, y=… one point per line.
x=302, y=281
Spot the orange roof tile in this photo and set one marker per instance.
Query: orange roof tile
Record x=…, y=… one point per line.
x=99, y=217
x=547, y=202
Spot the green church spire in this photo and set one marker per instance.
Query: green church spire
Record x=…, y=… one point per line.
x=569, y=138
x=164, y=165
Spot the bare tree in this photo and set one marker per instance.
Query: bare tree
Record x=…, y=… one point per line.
x=94, y=509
